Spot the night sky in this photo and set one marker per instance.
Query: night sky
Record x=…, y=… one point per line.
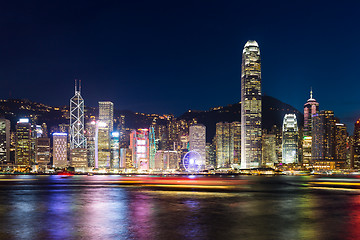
x=171, y=56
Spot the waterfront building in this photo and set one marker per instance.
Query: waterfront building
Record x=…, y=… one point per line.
x=269, y=155
x=115, y=150
x=78, y=148
x=152, y=146
x=166, y=160
x=251, y=106
x=102, y=145
x=126, y=161
x=90, y=132
x=311, y=108
x=197, y=141
x=60, y=157
x=42, y=152
x=106, y=114
x=139, y=144
x=356, y=146
x=323, y=140
x=228, y=144
x=23, y=143
x=341, y=145
x=210, y=155
x=290, y=139
x=4, y=141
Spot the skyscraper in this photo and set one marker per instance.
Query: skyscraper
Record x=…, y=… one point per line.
x=106, y=114
x=78, y=151
x=356, y=146
x=60, y=150
x=4, y=141
x=115, y=150
x=228, y=144
x=43, y=152
x=251, y=106
x=311, y=108
x=341, y=145
x=139, y=144
x=197, y=136
x=102, y=145
x=323, y=140
x=77, y=138
x=23, y=142
x=290, y=139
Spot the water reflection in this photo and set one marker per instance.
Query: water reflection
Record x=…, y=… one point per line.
x=95, y=208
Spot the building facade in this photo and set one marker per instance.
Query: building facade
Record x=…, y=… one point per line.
x=60, y=156
x=290, y=139
x=4, y=141
x=197, y=141
x=251, y=106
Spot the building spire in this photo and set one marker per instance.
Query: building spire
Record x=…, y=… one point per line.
x=311, y=93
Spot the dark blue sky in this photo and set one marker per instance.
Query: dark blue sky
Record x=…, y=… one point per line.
x=171, y=56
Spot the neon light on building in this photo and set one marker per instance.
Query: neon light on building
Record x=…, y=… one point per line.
x=139, y=143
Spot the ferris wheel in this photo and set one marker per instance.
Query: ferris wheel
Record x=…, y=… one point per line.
x=192, y=161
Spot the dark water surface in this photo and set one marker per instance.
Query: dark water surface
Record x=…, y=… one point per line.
x=96, y=207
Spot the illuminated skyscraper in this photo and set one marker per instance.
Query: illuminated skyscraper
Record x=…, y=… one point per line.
x=139, y=144
x=323, y=140
x=43, y=152
x=78, y=151
x=356, y=146
x=251, y=106
x=311, y=107
x=77, y=138
x=60, y=150
x=102, y=146
x=341, y=145
x=114, y=150
x=223, y=145
x=197, y=138
x=152, y=146
x=23, y=142
x=106, y=114
x=290, y=139
x=4, y=141
x=90, y=142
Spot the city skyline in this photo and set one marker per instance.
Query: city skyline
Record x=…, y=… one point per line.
x=114, y=49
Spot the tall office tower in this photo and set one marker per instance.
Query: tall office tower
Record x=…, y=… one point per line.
x=269, y=155
x=251, y=106
x=356, y=146
x=311, y=107
x=90, y=131
x=122, y=130
x=102, y=146
x=197, y=141
x=78, y=151
x=60, y=158
x=106, y=114
x=210, y=155
x=115, y=150
x=323, y=140
x=23, y=142
x=290, y=139
x=77, y=138
x=152, y=146
x=43, y=152
x=223, y=146
x=126, y=158
x=139, y=144
x=341, y=145
x=235, y=143
x=4, y=141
